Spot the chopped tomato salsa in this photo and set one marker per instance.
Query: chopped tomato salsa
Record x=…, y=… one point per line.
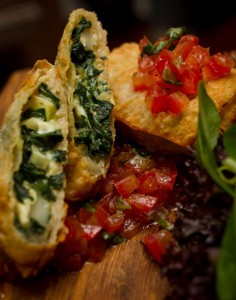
x=133, y=195
x=170, y=69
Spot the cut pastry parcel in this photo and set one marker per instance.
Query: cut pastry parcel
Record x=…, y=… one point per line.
x=82, y=64
x=33, y=152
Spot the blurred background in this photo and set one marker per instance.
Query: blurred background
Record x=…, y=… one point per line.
x=31, y=29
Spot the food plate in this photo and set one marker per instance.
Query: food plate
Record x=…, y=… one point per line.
x=126, y=271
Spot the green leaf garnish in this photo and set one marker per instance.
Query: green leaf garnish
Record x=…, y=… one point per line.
x=226, y=265
x=173, y=34
x=207, y=137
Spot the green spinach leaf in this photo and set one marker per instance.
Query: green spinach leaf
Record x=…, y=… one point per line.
x=44, y=90
x=34, y=113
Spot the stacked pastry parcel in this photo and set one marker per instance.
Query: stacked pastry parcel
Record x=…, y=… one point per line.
x=61, y=116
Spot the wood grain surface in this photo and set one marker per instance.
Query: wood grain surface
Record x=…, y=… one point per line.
x=126, y=271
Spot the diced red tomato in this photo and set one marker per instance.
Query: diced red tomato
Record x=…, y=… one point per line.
x=176, y=70
x=126, y=185
x=99, y=217
x=190, y=38
x=159, y=103
x=143, y=81
x=83, y=215
x=158, y=243
x=190, y=79
x=217, y=66
x=108, y=186
x=146, y=65
x=177, y=102
x=115, y=222
x=141, y=202
x=165, y=57
x=130, y=228
x=74, y=228
x=148, y=183
x=137, y=215
x=183, y=49
x=166, y=174
x=90, y=231
x=139, y=164
x=197, y=57
x=96, y=249
x=74, y=242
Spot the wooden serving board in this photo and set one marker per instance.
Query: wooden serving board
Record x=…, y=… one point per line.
x=125, y=273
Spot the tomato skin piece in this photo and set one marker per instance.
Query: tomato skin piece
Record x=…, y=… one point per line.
x=142, y=202
x=126, y=185
x=158, y=243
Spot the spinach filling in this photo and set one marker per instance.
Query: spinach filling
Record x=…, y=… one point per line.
x=36, y=177
x=93, y=124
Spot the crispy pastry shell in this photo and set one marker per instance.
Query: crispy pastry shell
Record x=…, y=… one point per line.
x=83, y=172
x=29, y=257
x=165, y=130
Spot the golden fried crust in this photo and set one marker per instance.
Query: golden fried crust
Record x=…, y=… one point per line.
x=29, y=257
x=83, y=171
x=181, y=129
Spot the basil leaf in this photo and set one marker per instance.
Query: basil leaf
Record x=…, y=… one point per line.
x=229, y=141
x=173, y=34
x=226, y=264
x=207, y=137
x=209, y=118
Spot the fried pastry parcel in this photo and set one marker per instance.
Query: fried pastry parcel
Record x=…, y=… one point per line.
x=33, y=152
x=82, y=64
x=165, y=130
